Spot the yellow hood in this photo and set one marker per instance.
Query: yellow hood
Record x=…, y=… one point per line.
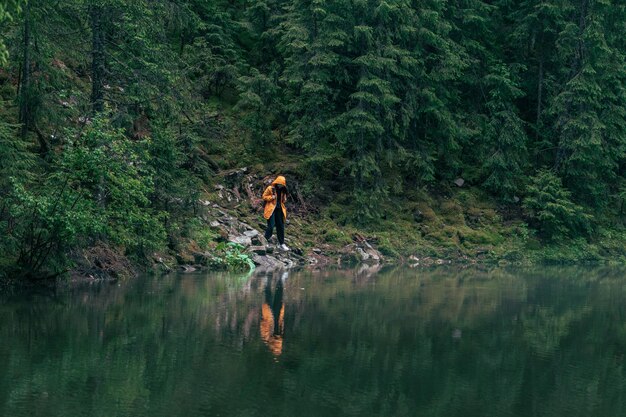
x=280, y=180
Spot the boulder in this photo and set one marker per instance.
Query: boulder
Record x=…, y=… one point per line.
x=259, y=240
x=459, y=182
x=187, y=268
x=251, y=233
x=373, y=254
x=242, y=240
x=266, y=261
x=364, y=255
x=259, y=250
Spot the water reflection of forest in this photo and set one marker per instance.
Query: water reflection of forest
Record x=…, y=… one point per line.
x=396, y=341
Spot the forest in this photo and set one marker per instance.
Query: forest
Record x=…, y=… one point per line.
x=403, y=119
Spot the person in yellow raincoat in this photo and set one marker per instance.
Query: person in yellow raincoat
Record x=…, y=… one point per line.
x=275, y=196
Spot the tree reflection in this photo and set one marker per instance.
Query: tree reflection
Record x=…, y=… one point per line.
x=444, y=342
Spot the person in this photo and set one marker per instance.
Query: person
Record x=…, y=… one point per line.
x=274, y=194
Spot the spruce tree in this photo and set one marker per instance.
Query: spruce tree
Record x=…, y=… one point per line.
x=504, y=133
x=589, y=110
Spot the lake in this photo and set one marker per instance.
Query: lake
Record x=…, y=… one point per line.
x=366, y=342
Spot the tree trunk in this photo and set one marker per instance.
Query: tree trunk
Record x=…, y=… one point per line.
x=25, y=114
x=539, y=96
x=97, y=59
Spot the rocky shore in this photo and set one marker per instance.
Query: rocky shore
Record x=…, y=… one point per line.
x=229, y=228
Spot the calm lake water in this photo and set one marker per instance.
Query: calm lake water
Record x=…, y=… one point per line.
x=396, y=342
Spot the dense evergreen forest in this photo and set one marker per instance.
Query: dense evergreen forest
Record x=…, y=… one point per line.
x=116, y=116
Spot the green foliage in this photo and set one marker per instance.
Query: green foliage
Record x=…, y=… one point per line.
x=15, y=160
x=113, y=170
x=551, y=210
x=45, y=223
x=230, y=256
x=368, y=101
x=257, y=102
x=589, y=109
x=505, y=134
x=99, y=189
x=9, y=9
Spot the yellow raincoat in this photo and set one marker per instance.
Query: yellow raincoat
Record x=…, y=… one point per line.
x=269, y=196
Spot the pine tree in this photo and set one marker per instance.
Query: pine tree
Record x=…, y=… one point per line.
x=313, y=41
x=535, y=28
x=257, y=102
x=589, y=109
x=433, y=131
x=551, y=209
x=504, y=134
x=372, y=124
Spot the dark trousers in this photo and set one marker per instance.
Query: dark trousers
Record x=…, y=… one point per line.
x=278, y=220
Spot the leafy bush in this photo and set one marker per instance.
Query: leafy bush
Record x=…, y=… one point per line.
x=98, y=189
x=47, y=223
x=120, y=182
x=229, y=256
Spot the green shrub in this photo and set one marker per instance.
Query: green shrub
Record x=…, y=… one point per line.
x=99, y=189
x=229, y=256
x=114, y=171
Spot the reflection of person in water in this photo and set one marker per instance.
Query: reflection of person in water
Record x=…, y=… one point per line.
x=273, y=317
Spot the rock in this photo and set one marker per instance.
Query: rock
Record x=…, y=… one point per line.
x=214, y=224
x=364, y=255
x=251, y=233
x=266, y=261
x=373, y=254
x=259, y=240
x=516, y=199
x=242, y=240
x=187, y=268
x=459, y=182
x=260, y=250
x=317, y=250
x=288, y=262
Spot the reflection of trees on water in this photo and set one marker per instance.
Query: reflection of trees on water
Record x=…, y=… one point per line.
x=546, y=342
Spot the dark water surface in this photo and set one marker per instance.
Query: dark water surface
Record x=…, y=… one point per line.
x=443, y=342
